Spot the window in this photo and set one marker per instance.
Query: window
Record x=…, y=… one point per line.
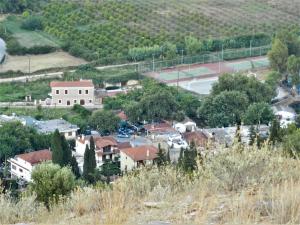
x=57, y=92
x=86, y=92
x=66, y=92
x=59, y=101
x=80, y=92
x=75, y=101
x=13, y=167
x=70, y=134
x=21, y=170
x=90, y=101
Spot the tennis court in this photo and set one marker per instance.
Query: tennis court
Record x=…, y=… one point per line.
x=183, y=73
x=214, y=69
x=248, y=64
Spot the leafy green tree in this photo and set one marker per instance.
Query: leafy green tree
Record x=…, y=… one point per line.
x=224, y=109
x=17, y=139
x=108, y=169
x=258, y=113
x=74, y=167
x=255, y=90
x=50, y=181
x=273, y=78
x=193, y=45
x=169, y=50
x=89, y=164
x=104, y=121
x=291, y=143
x=278, y=56
x=290, y=37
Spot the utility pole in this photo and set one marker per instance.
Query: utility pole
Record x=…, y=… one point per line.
x=177, y=82
x=182, y=56
x=222, y=52
x=29, y=63
x=250, y=48
x=153, y=63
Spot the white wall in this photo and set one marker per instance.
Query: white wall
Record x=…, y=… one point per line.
x=22, y=169
x=126, y=161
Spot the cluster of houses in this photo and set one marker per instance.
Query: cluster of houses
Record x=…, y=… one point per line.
x=130, y=153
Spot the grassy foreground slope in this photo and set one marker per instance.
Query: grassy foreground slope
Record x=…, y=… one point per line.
x=238, y=186
x=112, y=27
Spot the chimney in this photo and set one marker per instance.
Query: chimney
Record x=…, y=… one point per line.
x=148, y=153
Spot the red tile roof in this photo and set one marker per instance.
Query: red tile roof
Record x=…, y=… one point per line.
x=36, y=156
x=145, y=152
x=122, y=145
x=100, y=142
x=198, y=137
x=81, y=83
x=160, y=127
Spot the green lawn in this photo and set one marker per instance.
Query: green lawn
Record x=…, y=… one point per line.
x=16, y=91
x=29, y=38
x=44, y=113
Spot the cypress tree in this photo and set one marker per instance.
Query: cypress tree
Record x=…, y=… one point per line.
x=180, y=159
x=161, y=158
x=275, y=131
x=67, y=153
x=168, y=158
x=89, y=163
x=92, y=154
x=56, y=147
x=189, y=162
x=74, y=167
x=252, y=135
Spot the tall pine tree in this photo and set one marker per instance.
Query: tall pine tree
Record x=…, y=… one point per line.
x=89, y=164
x=74, y=167
x=67, y=152
x=57, y=150
x=161, y=156
x=275, y=132
x=189, y=162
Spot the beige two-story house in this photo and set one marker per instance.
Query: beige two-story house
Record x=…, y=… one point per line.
x=69, y=93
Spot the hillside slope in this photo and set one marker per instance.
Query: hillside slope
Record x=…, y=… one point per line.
x=238, y=186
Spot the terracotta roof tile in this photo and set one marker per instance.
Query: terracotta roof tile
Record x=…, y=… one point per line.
x=81, y=83
x=145, y=152
x=198, y=137
x=36, y=156
x=123, y=145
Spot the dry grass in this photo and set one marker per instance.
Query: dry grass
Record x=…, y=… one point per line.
x=40, y=62
x=246, y=186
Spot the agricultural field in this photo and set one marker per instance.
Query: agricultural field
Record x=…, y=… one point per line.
x=28, y=38
x=111, y=28
x=40, y=62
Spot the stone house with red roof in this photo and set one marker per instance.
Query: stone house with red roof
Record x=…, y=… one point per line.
x=134, y=157
x=21, y=166
x=69, y=93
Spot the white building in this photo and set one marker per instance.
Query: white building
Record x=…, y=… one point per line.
x=135, y=157
x=49, y=126
x=21, y=166
x=106, y=148
x=69, y=93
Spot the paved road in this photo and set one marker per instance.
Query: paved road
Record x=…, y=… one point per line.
x=55, y=74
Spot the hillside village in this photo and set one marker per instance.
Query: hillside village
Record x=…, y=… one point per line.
x=110, y=114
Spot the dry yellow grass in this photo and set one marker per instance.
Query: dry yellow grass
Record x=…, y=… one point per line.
x=238, y=186
x=40, y=62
